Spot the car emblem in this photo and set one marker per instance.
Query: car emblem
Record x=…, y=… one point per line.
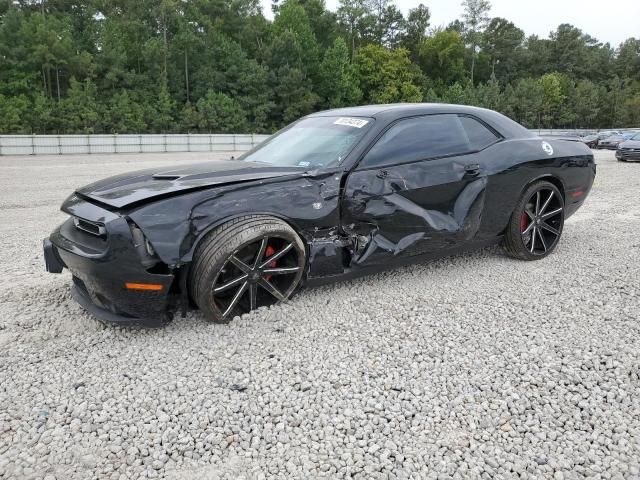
x=547, y=148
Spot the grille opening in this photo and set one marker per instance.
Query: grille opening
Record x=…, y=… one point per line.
x=89, y=227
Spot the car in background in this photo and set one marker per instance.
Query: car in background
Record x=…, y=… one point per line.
x=590, y=141
x=604, y=135
x=612, y=142
x=629, y=150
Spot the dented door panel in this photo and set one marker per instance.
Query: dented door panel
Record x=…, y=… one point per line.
x=412, y=209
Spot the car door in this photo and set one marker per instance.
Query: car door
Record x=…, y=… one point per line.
x=419, y=189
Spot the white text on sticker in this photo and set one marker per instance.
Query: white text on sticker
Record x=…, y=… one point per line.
x=351, y=122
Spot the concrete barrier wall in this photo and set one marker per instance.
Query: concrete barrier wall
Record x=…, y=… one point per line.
x=91, y=144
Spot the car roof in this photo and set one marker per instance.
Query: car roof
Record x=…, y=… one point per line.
x=398, y=110
x=394, y=111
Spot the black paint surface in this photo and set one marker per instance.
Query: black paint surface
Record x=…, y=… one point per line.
x=353, y=219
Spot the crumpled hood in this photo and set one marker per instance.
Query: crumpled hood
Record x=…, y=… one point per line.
x=143, y=185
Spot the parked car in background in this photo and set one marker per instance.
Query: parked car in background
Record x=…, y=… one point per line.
x=629, y=150
x=612, y=142
x=590, y=141
x=604, y=135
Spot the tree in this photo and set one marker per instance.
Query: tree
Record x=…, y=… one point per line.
x=502, y=40
x=628, y=59
x=586, y=104
x=143, y=65
x=388, y=76
x=188, y=120
x=441, y=57
x=293, y=95
x=124, y=115
x=297, y=44
x=391, y=26
x=322, y=21
x=572, y=51
x=42, y=118
x=218, y=113
x=416, y=27
x=13, y=113
x=489, y=95
x=352, y=15
x=79, y=109
x=338, y=83
x=524, y=102
x=164, y=112
x=552, y=98
x=476, y=17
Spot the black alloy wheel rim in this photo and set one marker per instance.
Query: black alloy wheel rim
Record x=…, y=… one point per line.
x=541, y=222
x=260, y=273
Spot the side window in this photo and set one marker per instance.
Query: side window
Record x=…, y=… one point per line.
x=419, y=138
x=480, y=137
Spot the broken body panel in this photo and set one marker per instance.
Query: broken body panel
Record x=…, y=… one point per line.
x=354, y=219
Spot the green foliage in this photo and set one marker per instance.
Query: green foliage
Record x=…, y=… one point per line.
x=296, y=44
x=416, y=28
x=501, y=42
x=388, y=76
x=293, y=95
x=129, y=66
x=13, y=111
x=337, y=84
x=441, y=57
x=218, y=113
x=476, y=18
x=79, y=109
x=124, y=115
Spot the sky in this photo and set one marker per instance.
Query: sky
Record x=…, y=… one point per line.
x=611, y=21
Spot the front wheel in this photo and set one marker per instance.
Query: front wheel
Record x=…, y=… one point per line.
x=245, y=264
x=537, y=222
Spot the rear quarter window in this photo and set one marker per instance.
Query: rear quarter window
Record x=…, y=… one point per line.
x=479, y=136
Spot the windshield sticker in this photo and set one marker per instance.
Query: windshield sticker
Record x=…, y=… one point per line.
x=351, y=122
x=303, y=164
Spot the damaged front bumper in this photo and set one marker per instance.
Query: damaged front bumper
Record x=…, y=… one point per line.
x=109, y=279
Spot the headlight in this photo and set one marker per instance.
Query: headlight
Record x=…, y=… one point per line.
x=149, y=247
x=143, y=246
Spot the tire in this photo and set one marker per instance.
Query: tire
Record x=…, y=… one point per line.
x=244, y=264
x=536, y=224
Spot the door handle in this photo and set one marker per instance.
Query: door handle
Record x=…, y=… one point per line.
x=472, y=170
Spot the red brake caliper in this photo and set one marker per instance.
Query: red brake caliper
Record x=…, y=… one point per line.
x=268, y=252
x=523, y=222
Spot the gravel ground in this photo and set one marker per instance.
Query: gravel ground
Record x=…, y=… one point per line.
x=477, y=366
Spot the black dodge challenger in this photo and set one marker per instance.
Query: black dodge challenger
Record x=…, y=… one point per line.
x=334, y=195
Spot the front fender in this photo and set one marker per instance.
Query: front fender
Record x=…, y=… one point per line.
x=174, y=226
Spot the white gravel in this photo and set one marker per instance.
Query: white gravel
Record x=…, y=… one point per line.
x=478, y=366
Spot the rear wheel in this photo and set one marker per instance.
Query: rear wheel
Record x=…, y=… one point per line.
x=245, y=264
x=537, y=222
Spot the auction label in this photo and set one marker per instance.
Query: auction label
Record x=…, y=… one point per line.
x=351, y=122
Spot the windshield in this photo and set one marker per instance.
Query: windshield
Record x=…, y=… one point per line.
x=311, y=142
x=636, y=137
